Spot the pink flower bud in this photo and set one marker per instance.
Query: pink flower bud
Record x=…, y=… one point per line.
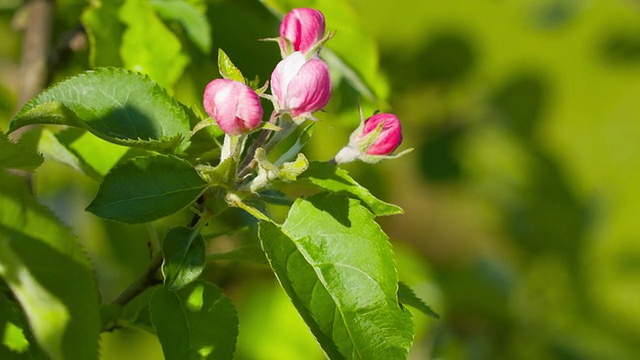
x=390, y=135
x=303, y=27
x=233, y=105
x=301, y=86
x=374, y=140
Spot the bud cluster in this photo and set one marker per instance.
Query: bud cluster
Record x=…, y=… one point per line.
x=300, y=86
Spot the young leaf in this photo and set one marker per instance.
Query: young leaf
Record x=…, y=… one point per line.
x=196, y=322
x=336, y=265
x=17, y=155
x=147, y=188
x=148, y=46
x=192, y=20
x=117, y=105
x=184, y=257
x=227, y=69
x=48, y=273
x=332, y=178
x=407, y=296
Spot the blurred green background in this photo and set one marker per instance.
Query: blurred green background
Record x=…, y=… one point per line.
x=521, y=197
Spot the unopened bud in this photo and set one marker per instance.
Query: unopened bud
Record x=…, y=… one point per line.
x=233, y=105
x=302, y=28
x=375, y=139
x=300, y=86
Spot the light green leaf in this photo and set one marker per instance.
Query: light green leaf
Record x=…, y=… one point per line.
x=336, y=265
x=227, y=69
x=48, y=273
x=104, y=30
x=196, y=322
x=407, y=296
x=82, y=151
x=13, y=331
x=148, y=46
x=332, y=178
x=147, y=188
x=116, y=105
x=184, y=257
x=192, y=20
x=17, y=155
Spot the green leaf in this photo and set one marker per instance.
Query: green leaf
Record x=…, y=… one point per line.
x=184, y=257
x=336, y=265
x=82, y=151
x=249, y=253
x=17, y=155
x=116, y=105
x=104, y=31
x=192, y=20
x=13, y=331
x=48, y=273
x=407, y=296
x=227, y=69
x=196, y=322
x=148, y=46
x=332, y=178
x=147, y=188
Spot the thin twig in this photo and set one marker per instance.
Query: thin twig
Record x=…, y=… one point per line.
x=140, y=284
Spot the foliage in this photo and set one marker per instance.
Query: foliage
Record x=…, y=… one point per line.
x=163, y=159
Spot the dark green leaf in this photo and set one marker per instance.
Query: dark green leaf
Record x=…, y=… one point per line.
x=184, y=252
x=332, y=178
x=407, y=296
x=148, y=46
x=196, y=322
x=336, y=265
x=104, y=30
x=192, y=20
x=227, y=69
x=244, y=253
x=116, y=105
x=17, y=155
x=147, y=188
x=48, y=273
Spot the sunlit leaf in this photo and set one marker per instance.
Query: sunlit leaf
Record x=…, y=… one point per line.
x=196, y=322
x=147, y=188
x=48, y=273
x=336, y=265
x=104, y=31
x=148, y=46
x=332, y=178
x=227, y=69
x=190, y=18
x=117, y=105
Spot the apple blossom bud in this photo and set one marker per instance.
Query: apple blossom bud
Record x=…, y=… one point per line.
x=375, y=139
x=390, y=135
x=233, y=105
x=300, y=86
x=303, y=27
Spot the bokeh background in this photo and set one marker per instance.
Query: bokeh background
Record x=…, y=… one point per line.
x=522, y=197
